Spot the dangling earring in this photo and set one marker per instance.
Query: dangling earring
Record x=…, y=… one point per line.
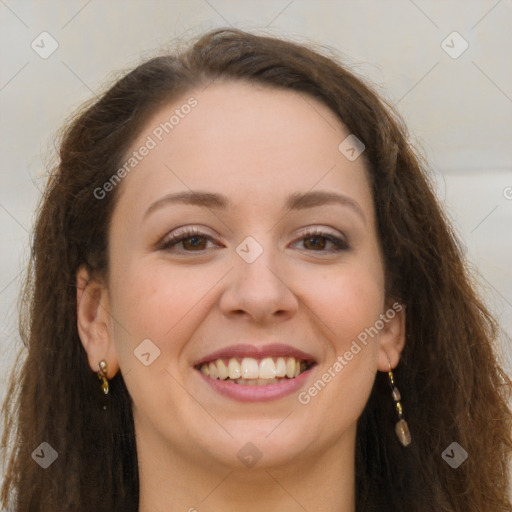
x=102, y=375
x=401, y=428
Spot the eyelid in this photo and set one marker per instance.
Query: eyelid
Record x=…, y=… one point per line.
x=317, y=230
x=183, y=232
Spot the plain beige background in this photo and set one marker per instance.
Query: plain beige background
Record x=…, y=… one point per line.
x=458, y=107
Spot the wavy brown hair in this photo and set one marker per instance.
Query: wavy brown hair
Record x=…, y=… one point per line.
x=453, y=387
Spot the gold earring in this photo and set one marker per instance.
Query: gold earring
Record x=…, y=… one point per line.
x=401, y=428
x=102, y=375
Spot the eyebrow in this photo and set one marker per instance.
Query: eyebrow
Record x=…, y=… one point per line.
x=295, y=201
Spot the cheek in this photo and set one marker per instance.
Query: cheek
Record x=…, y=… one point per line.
x=151, y=301
x=348, y=303
x=355, y=306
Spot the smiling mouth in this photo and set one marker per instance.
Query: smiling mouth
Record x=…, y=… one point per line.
x=249, y=371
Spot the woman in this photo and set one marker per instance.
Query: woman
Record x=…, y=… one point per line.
x=244, y=295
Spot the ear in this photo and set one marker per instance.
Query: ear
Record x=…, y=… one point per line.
x=94, y=322
x=392, y=336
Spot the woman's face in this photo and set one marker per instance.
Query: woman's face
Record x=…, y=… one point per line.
x=245, y=238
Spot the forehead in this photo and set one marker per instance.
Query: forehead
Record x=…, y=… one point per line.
x=246, y=140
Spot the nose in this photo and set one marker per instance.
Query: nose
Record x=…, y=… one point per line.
x=259, y=290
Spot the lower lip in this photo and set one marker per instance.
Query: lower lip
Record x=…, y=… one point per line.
x=264, y=393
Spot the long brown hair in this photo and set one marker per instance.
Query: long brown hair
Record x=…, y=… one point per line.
x=452, y=385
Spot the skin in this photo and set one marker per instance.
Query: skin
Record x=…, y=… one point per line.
x=255, y=145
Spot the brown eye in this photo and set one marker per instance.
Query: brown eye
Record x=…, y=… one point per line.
x=313, y=242
x=193, y=242
x=317, y=241
x=190, y=239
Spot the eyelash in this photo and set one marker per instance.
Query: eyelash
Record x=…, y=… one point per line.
x=186, y=233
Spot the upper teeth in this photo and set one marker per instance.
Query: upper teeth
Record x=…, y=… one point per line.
x=250, y=368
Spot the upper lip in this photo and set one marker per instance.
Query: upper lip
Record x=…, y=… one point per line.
x=256, y=352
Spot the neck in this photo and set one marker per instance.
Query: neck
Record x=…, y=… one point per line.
x=171, y=482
